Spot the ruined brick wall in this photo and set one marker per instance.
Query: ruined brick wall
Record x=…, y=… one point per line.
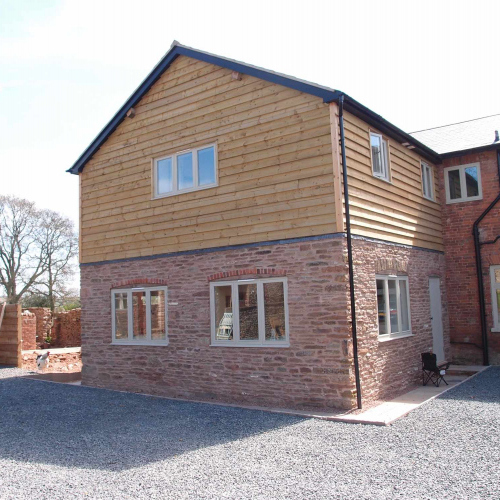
x=461, y=277
x=43, y=322
x=29, y=323
x=59, y=362
x=392, y=367
x=66, y=330
x=315, y=371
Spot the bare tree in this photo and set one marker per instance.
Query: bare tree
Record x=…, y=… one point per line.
x=60, y=242
x=37, y=250
x=22, y=255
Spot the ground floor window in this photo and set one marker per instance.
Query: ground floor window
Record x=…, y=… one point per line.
x=495, y=295
x=139, y=315
x=393, y=304
x=251, y=312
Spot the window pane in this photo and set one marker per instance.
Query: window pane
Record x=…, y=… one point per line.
x=206, y=166
x=249, y=314
x=121, y=316
x=498, y=303
x=164, y=173
x=384, y=159
x=382, y=323
x=424, y=181
x=405, y=313
x=429, y=182
x=376, y=153
x=471, y=181
x=393, y=306
x=454, y=182
x=158, y=315
x=185, y=171
x=139, y=315
x=274, y=311
x=497, y=275
x=223, y=313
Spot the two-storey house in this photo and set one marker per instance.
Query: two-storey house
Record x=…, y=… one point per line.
x=214, y=248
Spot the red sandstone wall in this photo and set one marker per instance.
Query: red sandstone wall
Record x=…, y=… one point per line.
x=315, y=371
x=390, y=368
x=66, y=330
x=461, y=278
x=29, y=330
x=43, y=323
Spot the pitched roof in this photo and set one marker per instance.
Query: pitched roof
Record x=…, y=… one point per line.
x=325, y=93
x=458, y=137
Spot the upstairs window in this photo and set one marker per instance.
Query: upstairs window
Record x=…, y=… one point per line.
x=139, y=316
x=380, y=156
x=463, y=183
x=185, y=171
x=427, y=181
x=393, y=303
x=251, y=312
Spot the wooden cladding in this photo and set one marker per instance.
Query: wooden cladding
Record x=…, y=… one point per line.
x=394, y=211
x=10, y=336
x=274, y=167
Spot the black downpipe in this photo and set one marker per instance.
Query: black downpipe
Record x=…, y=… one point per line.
x=479, y=271
x=349, y=252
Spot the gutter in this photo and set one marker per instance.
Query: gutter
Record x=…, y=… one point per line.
x=349, y=252
x=479, y=269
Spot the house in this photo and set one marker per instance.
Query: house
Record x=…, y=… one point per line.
x=218, y=253
x=470, y=183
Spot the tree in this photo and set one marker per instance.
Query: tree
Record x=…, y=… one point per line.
x=37, y=250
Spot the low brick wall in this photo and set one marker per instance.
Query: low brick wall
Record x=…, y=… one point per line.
x=66, y=330
x=60, y=360
x=29, y=330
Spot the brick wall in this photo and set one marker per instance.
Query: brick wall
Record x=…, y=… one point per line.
x=29, y=330
x=10, y=336
x=392, y=367
x=315, y=371
x=461, y=277
x=43, y=322
x=66, y=330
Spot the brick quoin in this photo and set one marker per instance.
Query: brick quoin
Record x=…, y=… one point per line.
x=461, y=276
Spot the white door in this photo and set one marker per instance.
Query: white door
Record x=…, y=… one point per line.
x=436, y=318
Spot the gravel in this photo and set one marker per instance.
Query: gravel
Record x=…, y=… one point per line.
x=61, y=441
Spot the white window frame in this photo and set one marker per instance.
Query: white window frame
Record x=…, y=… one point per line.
x=494, y=287
x=385, y=174
x=175, y=191
x=427, y=173
x=261, y=342
x=389, y=335
x=463, y=185
x=130, y=340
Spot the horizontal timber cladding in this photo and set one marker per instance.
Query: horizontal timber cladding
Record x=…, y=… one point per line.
x=394, y=211
x=274, y=167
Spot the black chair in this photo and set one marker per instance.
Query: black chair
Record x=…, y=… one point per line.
x=431, y=370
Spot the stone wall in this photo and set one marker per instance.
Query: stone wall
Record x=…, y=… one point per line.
x=315, y=371
x=60, y=360
x=392, y=367
x=43, y=323
x=461, y=276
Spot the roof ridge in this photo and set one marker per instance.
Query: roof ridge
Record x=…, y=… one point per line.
x=456, y=123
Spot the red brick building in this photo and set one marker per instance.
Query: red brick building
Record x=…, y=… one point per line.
x=470, y=153
x=220, y=233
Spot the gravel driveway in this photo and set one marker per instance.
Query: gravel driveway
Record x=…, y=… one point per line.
x=61, y=441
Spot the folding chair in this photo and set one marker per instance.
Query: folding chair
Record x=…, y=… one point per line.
x=431, y=370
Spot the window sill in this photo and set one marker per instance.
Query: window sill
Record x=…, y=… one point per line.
x=182, y=191
x=395, y=337
x=388, y=181
x=141, y=343
x=495, y=329
x=245, y=345
x=464, y=200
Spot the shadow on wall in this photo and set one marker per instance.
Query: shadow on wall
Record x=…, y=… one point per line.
x=99, y=429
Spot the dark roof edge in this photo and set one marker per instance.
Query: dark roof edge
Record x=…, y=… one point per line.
x=463, y=152
x=325, y=93
x=386, y=127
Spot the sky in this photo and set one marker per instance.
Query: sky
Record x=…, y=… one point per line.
x=67, y=66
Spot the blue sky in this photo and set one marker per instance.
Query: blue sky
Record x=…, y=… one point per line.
x=67, y=66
